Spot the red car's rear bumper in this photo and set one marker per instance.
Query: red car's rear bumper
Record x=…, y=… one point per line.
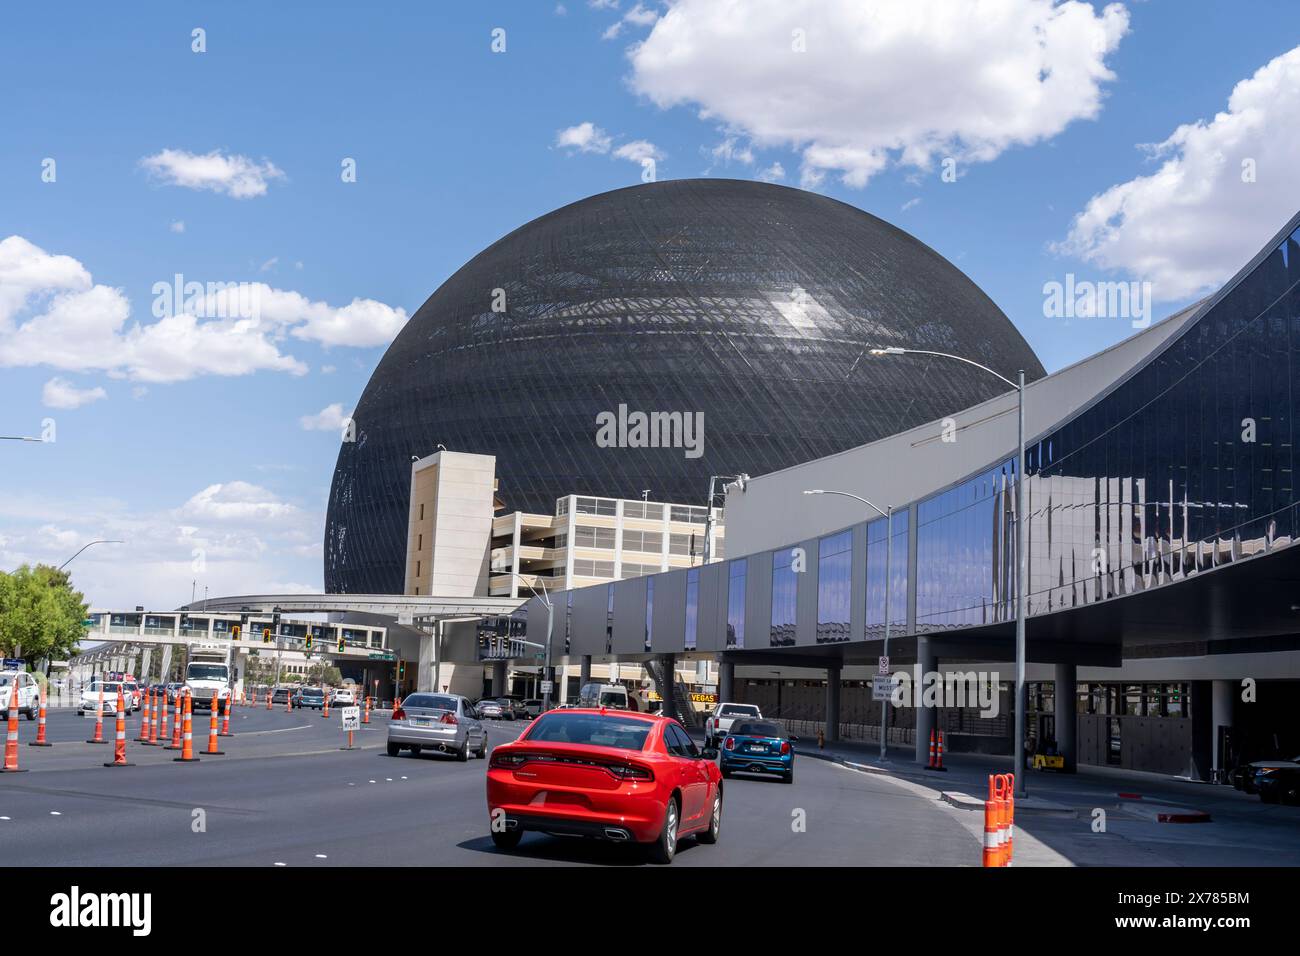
x=637, y=809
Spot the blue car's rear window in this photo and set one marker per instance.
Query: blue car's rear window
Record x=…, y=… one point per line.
x=757, y=728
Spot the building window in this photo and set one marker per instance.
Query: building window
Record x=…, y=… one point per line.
x=421, y=510
x=609, y=619
x=602, y=538
x=568, y=621
x=643, y=509
x=646, y=542
x=785, y=598
x=692, y=608
x=876, y=575
x=419, y=542
x=417, y=569
x=834, y=583
x=736, y=603
x=685, y=544
x=649, y=612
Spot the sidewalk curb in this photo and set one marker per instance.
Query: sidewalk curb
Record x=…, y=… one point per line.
x=1042, y=808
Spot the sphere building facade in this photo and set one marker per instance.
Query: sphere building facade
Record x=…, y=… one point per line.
x=746, y=308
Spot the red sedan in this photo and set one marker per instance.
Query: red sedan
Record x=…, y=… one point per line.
x=611, y=774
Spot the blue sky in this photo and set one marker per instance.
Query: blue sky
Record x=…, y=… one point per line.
x=213, y=477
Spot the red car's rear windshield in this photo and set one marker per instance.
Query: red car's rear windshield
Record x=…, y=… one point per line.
x=607, y=730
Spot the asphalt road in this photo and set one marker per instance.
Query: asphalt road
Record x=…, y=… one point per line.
x=283, y=794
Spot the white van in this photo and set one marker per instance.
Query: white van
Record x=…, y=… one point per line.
x=29, y=694
x=613, y=696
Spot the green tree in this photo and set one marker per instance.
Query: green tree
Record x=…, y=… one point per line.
x=40, y=613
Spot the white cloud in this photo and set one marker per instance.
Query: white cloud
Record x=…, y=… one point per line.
x=60, y=393
x=912, y=203
x=53, y=314
x=178, y=226
x=328, y=369
x=730, y=150
x=586, y=137
x=639, y=150
x=269, y=264
x=772, y=174
x=1191, y=224
x=941, y=79
x=235, y=538
x=237, y=501
x=234, y=175
x=331, y=418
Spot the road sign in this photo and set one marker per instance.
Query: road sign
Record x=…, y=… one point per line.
x=548, y=686
x=351, y=718
x=882, y=687
x=884, y=665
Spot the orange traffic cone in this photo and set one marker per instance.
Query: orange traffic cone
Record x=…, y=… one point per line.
x=288, y=702
x=40, y=740
x=176, y=720
x=119, y=749
x=99, y=720
x=325, y=711
x=365, y=714
x=212, y=728
x=1011, y=817
x=225, y=718
x=269, y=695
x=938, y=765
x=187, y=746
x=144, y=717
x=153, y=723
x=931, y=765
x=11, y=739
x=990, y=857
x=162, y=734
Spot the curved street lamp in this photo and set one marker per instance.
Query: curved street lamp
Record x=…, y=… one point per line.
x=888, y=515
x=1022, y=546
x=85, y=546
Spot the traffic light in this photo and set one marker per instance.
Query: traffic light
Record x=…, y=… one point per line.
x=234, y=633
x=401, y=669
x=309, y=638
x=341, y=644
x=266, y=635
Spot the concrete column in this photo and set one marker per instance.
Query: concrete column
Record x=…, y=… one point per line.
x=1067, y=714
x=833, y=703
x=166, y=663
x=667, y=665
x=928, y=662
x=145, y=661
x=498, y=678
x=726, y=681
x=584, y=671
x=1223, y=701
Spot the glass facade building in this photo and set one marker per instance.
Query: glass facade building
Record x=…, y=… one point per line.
x=749, y=303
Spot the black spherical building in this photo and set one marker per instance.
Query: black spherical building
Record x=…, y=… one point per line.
x=751, y=303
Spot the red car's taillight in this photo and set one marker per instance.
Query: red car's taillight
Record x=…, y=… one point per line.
x=785, y=747
x=506, y=761
x=398, y=714
x=630, y=771
x=730, y=743
x=449, y=719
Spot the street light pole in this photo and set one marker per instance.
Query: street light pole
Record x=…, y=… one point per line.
x=888, y=515
x=545, y=598
x=1022, y=548
x=84, y=547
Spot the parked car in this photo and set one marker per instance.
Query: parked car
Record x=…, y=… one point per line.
x=757, y=746
x=312, y=697
x=612, y=775
x=532, y=708
x=281, y=695
x=1244, y=777
x=447, y=723
x=29, y=694
x=1278, y=784
x=490, y=708
x=90, y=698
x=719, y=722
x=517, y=707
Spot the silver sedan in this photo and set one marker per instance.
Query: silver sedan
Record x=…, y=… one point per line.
x=446, y=723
